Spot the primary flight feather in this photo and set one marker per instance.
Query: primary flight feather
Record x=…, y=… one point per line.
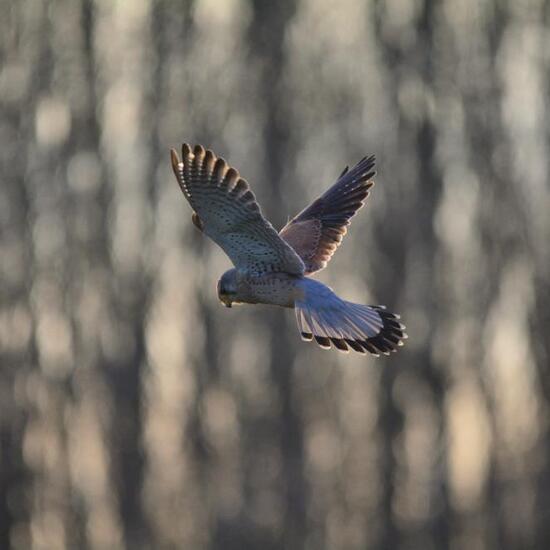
x=272, y=268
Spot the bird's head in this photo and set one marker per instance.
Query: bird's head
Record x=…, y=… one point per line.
x=227, y=287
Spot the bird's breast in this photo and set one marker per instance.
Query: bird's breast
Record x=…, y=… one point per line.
x=279, y=289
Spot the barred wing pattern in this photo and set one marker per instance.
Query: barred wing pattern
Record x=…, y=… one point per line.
x=229, y=214
x=317, y=231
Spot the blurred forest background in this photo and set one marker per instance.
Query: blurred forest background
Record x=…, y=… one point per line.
x=138, y=413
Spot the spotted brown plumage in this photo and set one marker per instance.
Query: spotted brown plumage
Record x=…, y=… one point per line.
x=227, y=211
x=271, y=267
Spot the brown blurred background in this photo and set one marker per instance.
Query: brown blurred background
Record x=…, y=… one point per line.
x=138, y=413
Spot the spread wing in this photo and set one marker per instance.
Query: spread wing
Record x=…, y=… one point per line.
x=317, y=231
x=229, y=214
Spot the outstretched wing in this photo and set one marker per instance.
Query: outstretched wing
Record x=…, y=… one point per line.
x=317, y=231
x=229, y=214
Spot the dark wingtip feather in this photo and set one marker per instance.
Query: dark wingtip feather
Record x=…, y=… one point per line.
x=344, y=172
x=199, y=150
x=220, y=169
x=392, y=334
x=209, y=160
x=370, y=348
x=231, y=178
x=323, y=341
x=340, y=344
x=356, y=346
x=185, y=151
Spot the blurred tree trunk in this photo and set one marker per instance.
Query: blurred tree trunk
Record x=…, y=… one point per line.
x=417, y=134
x=106, y=443
x=268, y=29
x=19, y=355
x=540, y=325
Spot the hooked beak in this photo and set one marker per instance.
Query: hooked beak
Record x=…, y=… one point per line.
x=226, y=298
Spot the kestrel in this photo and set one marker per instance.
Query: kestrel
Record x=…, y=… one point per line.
x=274, y=268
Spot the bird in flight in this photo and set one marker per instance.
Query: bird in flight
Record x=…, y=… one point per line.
x=274, y=268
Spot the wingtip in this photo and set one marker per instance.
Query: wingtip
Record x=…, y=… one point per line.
x=199, y=150
x=175, y=161
x=344, y=172
x=369, y=163
x=186, y=151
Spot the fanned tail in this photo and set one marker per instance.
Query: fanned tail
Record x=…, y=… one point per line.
x=331, y=321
